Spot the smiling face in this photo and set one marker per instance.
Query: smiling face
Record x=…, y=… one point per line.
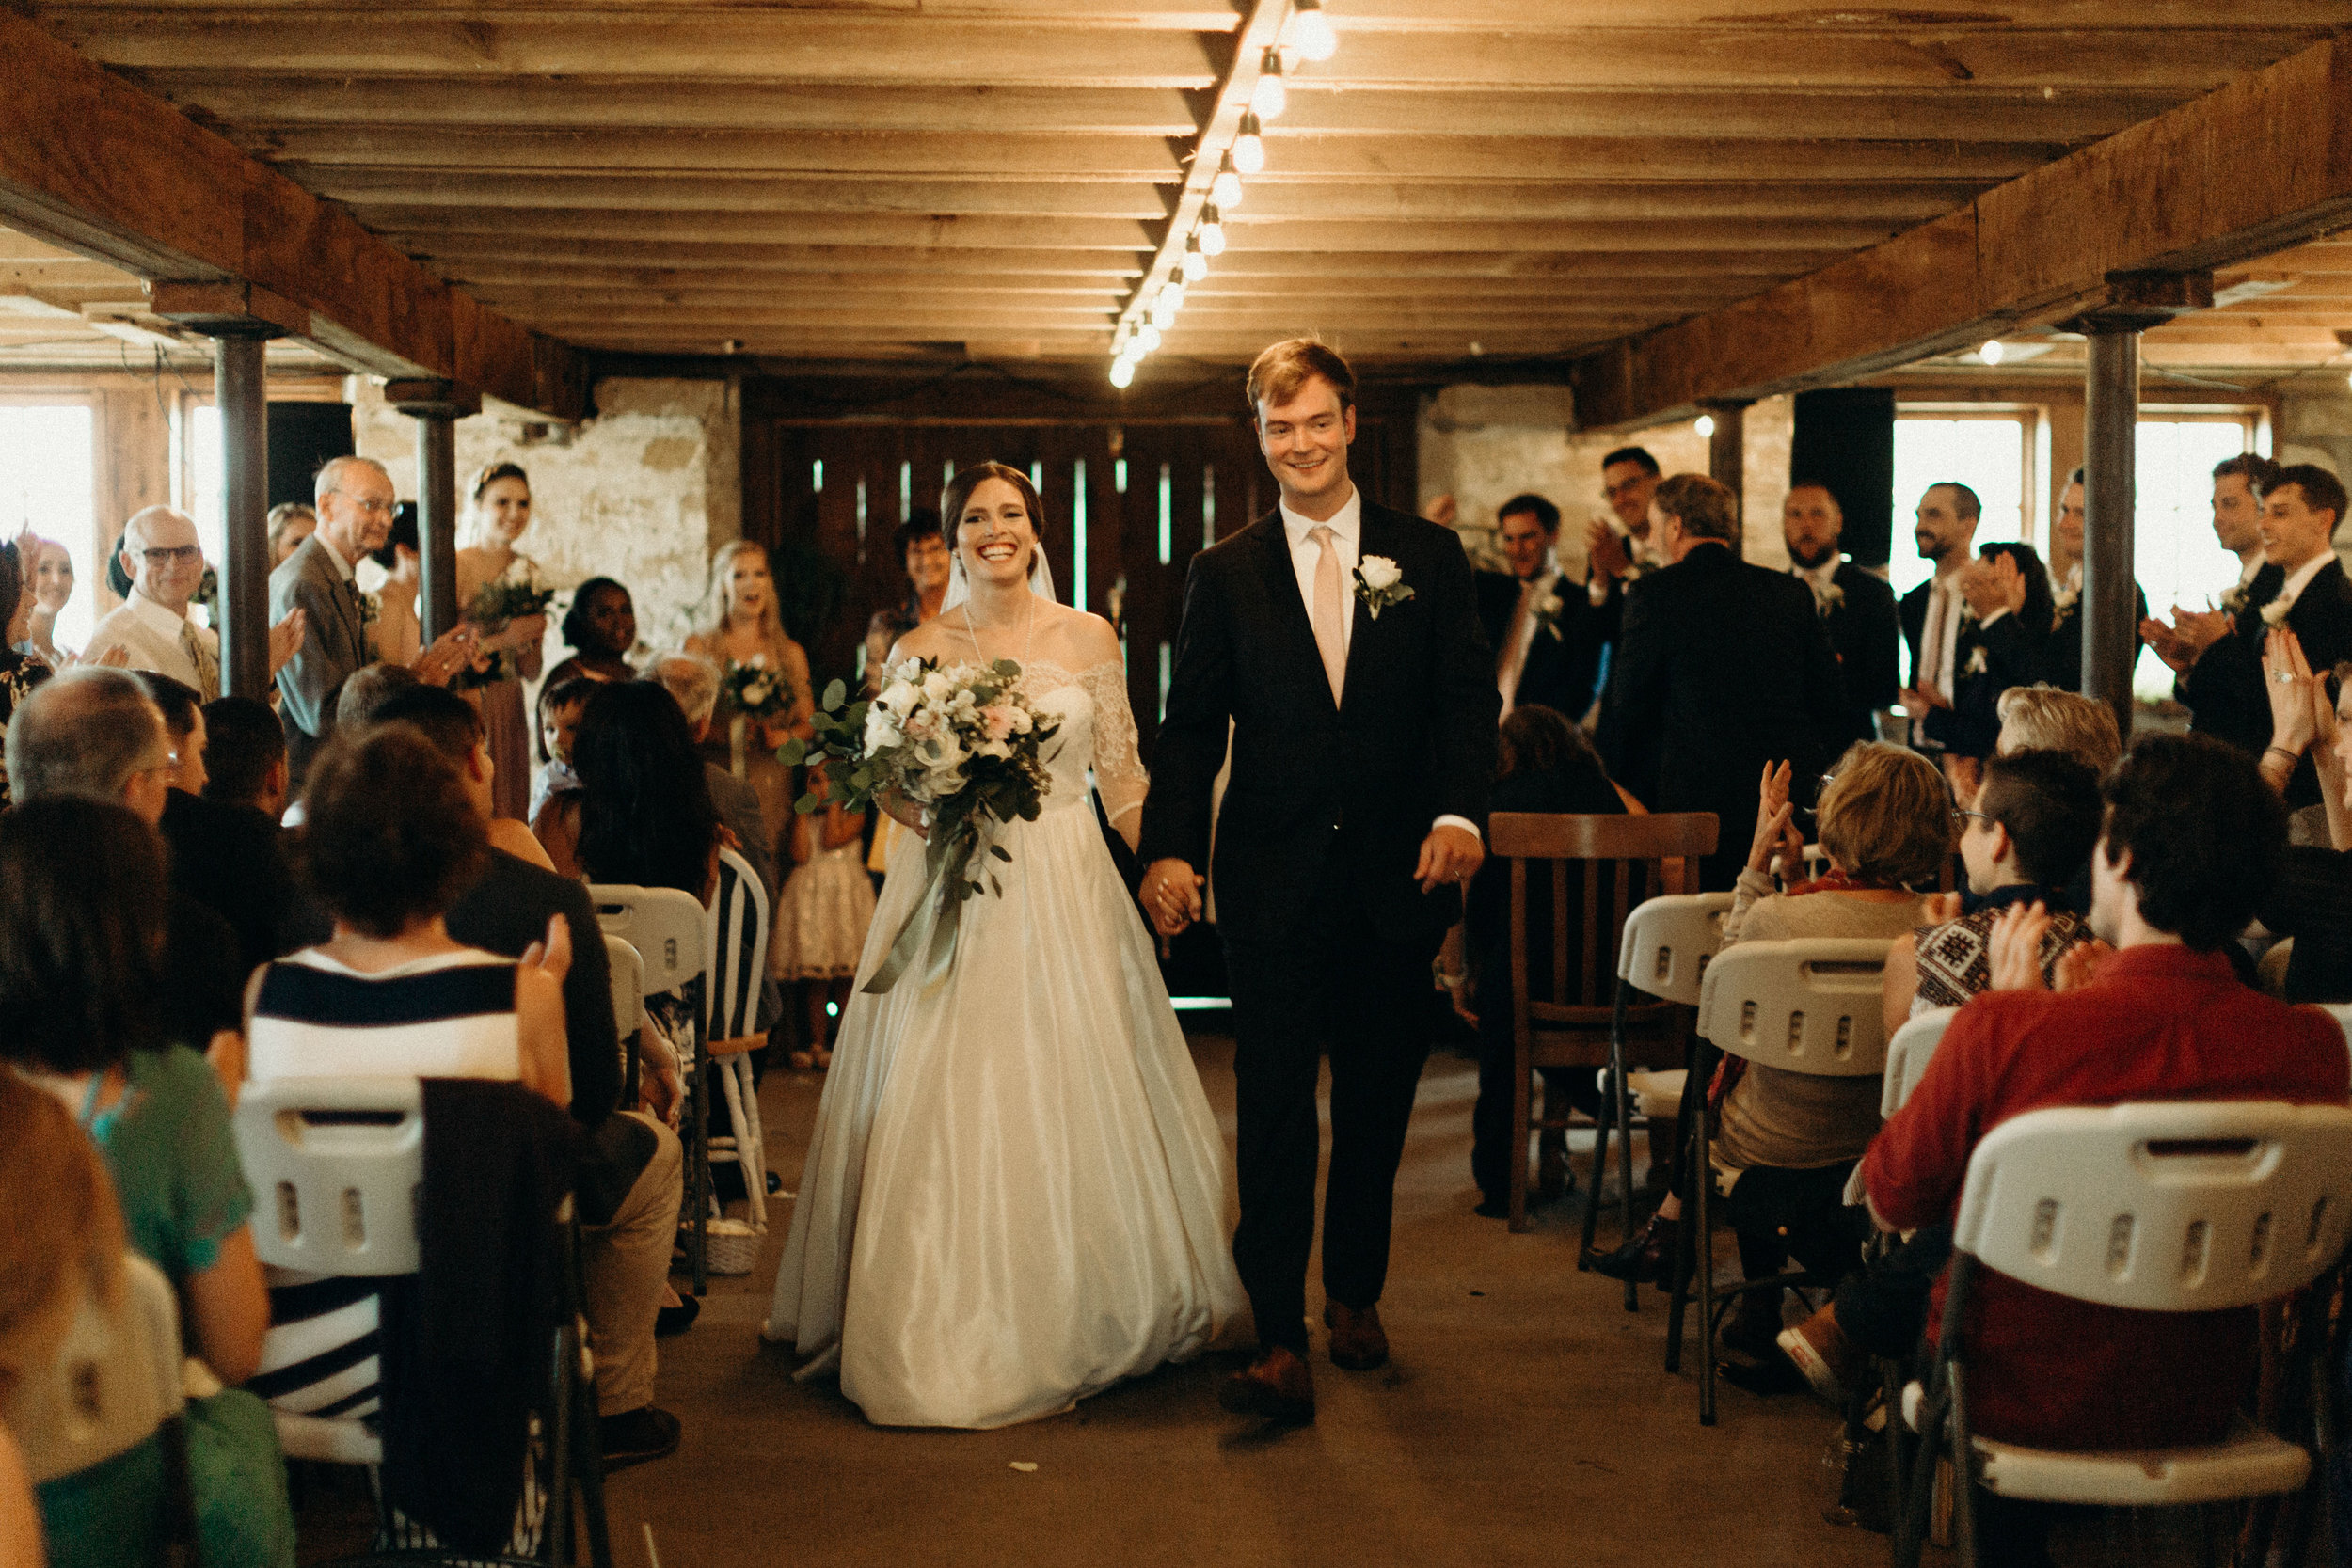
x=613, y=621
x=2237, y=515
x=53, y=579
x=356, y=518
x=1305, y=440
x=995, y=533
x=166, y=564
x=504, y=506
x=749, y=588
x=2292, y=532
x=1628, y=487
x=1943, y=534
x=1525, y=545
x=928, y=558
x=1810, y=522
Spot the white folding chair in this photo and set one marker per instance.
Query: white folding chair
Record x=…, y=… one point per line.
x=1909, y=1053
x=737, y=941
x=1810, y=1005
x=114, y=1381
x=335, y=1164
x=2152, y=1207
x=667, y=929
x=627, y=969
x=1663, y=954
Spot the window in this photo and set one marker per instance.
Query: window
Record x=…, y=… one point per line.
x=47, y=484
x=2175, y=556
x=195, y=473
x=1989, y=453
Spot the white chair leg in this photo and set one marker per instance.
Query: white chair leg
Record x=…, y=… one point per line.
x=734, y=1115
x=751, y=1145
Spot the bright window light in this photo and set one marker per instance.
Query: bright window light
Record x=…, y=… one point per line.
x=46, y=480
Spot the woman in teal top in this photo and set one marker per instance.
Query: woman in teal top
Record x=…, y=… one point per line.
x=80, y=934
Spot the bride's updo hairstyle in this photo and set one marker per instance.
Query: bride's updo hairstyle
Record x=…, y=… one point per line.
x=953, y=499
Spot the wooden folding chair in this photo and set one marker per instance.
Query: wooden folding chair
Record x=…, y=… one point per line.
x=1636, y=857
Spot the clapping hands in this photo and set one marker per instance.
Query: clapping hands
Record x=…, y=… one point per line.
x=1775, y=822
x=1993, y=583
x=2300, y=711
x=2014, y=952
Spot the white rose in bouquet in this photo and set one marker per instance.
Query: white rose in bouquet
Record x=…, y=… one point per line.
x=881, y=728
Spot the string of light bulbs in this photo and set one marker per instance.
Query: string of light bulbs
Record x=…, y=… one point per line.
x=1231, y=148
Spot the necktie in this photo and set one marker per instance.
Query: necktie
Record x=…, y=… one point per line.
x=1514, y=660
x=1928, y=678
x=207, y=666
x=1330, y=641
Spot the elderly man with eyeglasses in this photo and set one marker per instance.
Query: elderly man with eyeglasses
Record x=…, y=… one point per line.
x=151, y=625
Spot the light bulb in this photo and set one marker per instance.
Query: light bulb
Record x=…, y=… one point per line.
x=1173, y=295
x=1122, y=372
x=1248, y=148
x=1212, y=233
x=1226, y=192
x=1269, y=97
x=1164, y=313
x=1310, y=31
x=1196, y=264
x=1992, y=352
x=1149, y=338
x=1706, y=426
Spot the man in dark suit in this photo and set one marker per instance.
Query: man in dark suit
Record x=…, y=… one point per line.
x=1722, y=667
x=1856, y=605
x=2238, y=486
x=1969, y=608
x=226, y=858
x=1336, y=642
x=1544, y=629
x=2301, y=508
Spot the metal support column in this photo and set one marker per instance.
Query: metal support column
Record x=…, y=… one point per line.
x=437, y=407
x=240, y=392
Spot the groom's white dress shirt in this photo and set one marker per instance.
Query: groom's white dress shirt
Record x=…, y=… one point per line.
x=1347, y=536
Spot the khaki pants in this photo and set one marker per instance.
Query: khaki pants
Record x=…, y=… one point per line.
x=626, y=1263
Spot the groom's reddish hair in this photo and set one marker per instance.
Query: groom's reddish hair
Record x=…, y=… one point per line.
x=1278, y=373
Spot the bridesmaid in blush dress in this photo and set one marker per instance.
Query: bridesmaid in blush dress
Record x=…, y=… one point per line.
x=509, y=652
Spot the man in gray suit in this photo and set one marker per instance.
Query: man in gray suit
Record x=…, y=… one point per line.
x=355, y=506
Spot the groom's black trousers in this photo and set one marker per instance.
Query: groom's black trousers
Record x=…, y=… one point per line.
x=1334, y=985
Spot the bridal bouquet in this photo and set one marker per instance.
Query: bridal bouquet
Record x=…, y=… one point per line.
x=966, y=744
x=513, y=595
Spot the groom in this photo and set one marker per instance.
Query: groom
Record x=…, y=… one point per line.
x=1340, y=641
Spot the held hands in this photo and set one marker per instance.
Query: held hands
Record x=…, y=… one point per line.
x=1171, y=895
x=451, y=652
x=1449, y=854
x=1919, y=704
x=1775, y=826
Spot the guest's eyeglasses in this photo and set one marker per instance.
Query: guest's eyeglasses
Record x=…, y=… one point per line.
x=177, y=555
x=1960, y=816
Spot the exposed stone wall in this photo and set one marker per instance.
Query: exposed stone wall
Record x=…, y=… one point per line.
x=643, y=493
x=1483, y=445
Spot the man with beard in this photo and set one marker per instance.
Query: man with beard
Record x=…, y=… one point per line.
x=1857, y=607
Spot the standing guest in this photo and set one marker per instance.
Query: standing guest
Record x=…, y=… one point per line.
x=152, y=624
x=693, y=683
x=740, y=623
x=1546, y=635
x=51, y=588
x=2312, y=902
x=94, y=733
x=1857, y=607
x=561, y=704
x=2003, y=634
x=2043, y=719
x=2062, y=653
x=290, y=523
x=225, y=857
x=20, y=672
x=1542, y=764
x=81, y=1014
x=2221, y=681
x=924, y=551
x=397, y=634
x=600, y=628
x=2239, y=484
x=507, y=653
x=355, y=517
x=1616, y=546
x=2190, y=848
x=1720, y=667
x=245, y=756
x=821, y=916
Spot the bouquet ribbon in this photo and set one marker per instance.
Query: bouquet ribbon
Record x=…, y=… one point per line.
x=931, y=928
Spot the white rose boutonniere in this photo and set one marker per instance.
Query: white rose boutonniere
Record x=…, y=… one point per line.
x=1548, y=612
x=2062, y=602
x=1379, y=583
x=1828, y=596
x=2274, y=612
x=2233, y=601
x=1977, y=662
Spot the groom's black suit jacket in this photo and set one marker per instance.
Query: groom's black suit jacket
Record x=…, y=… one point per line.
x=1414, y=738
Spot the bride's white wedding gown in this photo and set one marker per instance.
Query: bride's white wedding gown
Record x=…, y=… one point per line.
x=1014, y=1195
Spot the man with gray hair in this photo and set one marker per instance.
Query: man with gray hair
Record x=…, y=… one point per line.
x=166, y=564
x=320, y=578
x=93, y=732
x=693, y=681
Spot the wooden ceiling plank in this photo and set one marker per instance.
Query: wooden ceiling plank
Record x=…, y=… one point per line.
x=139, y=184
x=2262, y=162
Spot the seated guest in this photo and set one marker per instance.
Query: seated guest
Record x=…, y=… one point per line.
x=1886, y=823
x=632, y=1181
x=224, y=857
x=2033, y=826
x=79, y=991
x=94, y=733
x=561, y=704
x=644, y=815
x=600, y=628
x=369, y=688
x=693, y=681
x=382, y=692
x=2190, y=848
x=1545, y=765
x=245, y=756
x=2044, y=718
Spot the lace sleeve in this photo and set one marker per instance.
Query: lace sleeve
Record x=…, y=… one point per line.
x=1119, y=775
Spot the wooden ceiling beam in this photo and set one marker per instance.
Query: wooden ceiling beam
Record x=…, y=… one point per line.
x=2262, y=163
x=866, y=291
x=91, y=162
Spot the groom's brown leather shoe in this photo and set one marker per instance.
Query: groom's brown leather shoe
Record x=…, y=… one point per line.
x=1277, y=1385
x=1357, y=1342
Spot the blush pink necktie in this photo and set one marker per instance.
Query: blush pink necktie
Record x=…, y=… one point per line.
x=1331, y=639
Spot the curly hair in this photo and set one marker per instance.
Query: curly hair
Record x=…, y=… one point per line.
x=2205, y=837
x=1886, y=816
x=389, y=834
x=81, y=934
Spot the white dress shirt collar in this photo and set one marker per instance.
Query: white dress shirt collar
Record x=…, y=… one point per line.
x=343, y=569
x=1820, y=576
x=1348, y=522
x=2301, y=577
x=155, y=617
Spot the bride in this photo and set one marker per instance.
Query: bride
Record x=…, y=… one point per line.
x=1014, y=1195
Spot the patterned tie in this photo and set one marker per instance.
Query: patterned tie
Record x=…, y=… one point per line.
x=207, y=666
x=1330, y=639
